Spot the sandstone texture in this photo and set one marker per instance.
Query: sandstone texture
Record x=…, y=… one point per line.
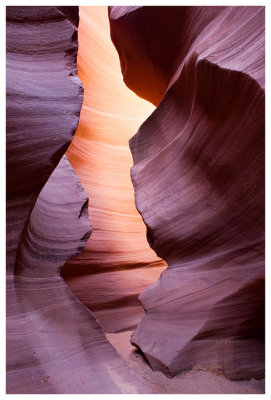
x=54, y=344
x=117, y=264
x=44, y=98
x=197, y=181
x=195, y=381
x=198, y=176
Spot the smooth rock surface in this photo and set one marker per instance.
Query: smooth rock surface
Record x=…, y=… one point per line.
x=117, y=263
x=54, y=344
x=44, y=98
x=113, y=296
x=198, y=176
x=195, y=381
x=58, y=226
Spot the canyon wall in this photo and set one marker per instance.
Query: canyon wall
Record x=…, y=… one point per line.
x=198, y=176
x=41, y=82
x=117, y=264
x=54, y=344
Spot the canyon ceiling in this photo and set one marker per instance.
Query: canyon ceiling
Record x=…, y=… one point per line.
x=176, y=94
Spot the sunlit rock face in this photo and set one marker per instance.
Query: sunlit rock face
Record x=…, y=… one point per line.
x=198, y=176
x=117, y=263
x=54, y=344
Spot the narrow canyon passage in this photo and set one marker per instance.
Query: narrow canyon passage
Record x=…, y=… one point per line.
x=117, y=264
x=174, y=304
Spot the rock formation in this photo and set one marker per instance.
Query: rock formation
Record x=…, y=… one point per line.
x=198, y=176
x=198, y=179
x=117, y=264
x=54, y=343
x=41, y=81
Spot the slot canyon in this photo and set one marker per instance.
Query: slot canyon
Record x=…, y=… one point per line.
x=135, y=199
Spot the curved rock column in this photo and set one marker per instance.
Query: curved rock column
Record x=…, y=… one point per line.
x=198, y=176
x=54, y=344
x=44, y=98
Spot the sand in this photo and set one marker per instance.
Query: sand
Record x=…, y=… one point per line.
x=191, y=382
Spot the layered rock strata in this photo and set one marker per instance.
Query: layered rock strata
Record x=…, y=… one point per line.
x=198, y=176
x=41, y=82
x=54, y=343
x=117, y=263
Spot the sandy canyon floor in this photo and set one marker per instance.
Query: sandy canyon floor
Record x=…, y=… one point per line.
x=195, y=381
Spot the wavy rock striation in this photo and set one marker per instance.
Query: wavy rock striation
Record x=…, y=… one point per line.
x=54, y=344
x=58, y=227
x=117, y=263
x=41, y=81
x=198, y=176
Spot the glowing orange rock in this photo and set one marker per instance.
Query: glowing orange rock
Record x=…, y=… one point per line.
x=101, y=158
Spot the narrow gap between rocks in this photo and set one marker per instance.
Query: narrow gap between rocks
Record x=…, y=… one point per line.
x=117, y=264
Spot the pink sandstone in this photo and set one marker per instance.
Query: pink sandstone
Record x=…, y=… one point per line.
x=198, y=175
